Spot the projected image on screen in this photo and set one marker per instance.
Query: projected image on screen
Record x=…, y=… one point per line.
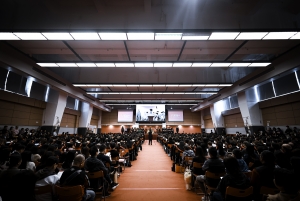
x=125, y=116
x=150, y=113
x=175, y=115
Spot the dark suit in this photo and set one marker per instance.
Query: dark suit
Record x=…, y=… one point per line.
x=150, y=137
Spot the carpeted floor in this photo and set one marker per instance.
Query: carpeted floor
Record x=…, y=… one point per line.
x=151, y=179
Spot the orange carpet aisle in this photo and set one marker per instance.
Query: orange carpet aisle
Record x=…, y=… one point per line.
x=151, y=179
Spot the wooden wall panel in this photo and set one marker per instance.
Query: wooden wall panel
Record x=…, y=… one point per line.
x=233, y=121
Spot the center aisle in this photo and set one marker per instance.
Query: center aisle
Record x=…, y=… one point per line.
x=150, y=178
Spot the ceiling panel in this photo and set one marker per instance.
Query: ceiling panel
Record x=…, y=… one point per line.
x=154, y=44
x=97, y=44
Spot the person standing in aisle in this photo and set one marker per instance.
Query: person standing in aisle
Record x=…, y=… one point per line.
x=122, y=130
x=150, y=136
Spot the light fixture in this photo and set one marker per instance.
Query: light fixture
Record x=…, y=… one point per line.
x=146, y=93
x=172, y=85
x=143, y=64
x=201, y=65
x=124, y=64
x=212, y=85
x=119, y=85
x=58, y=36
x=47, y=64
x=30, y=36
x=157, y=93
x=220, y=64
x=296, y=36
x=67, y=64
x=105, y=65
x=8, y=36
x=259, y=64
x=251, y=35
x=163, y=64
x=86, y=64
x=196, y=36
x=140, y=36
x=198, y=85
x=132, y=85
x=145, y=85
x=79, y=85
x=185, y=85
x=124, y=93
x=113, y=36
x=135, y=93
x=92, y=85
x=182, y=64
x=159, y=85
x=168, y=36
x=106, y=85
x=225, y=85
x=239, y=64
x=178, y=92
x=223, y=35
x=85, y=36
x=279, y=35
x=189, y=93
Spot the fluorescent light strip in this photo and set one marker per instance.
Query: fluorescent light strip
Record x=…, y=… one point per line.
x=79, y=85
x=194, y=37
x=155, y=85
x=220, y=64
x=296, y=36
x=259, y=64
x=163, y=64
x=92, y=85
x=58, y=36
x=86, y=65
x=47, y=64
x=279, y=35
x=30, y=36
x=239, y=64
x=85, y=36
x=201, y=65
x=223, y=35
x=124, y=64
x=182, y=64
x=140, y=36
x=67, y=64
x=168, y=36
x=8, y=36
x=105, y=65
x=113, y=36
x=251, y=35
x=132, y=85
x=297, y=79
x=143, y=64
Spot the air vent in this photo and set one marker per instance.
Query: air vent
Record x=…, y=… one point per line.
x=89, y=97
x=214, y=97
x=257, y=76
x=48, y=76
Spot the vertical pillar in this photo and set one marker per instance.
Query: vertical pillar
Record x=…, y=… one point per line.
x=54, y=110
x=216, y=114
x=99, y=121
x=202, y=122
x=251, y=113
x=85, y=118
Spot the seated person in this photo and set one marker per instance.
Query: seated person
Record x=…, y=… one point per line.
x=233, y=178
x=187, y=152
x=79, y=179
x=199, y=158
x=47, y=176
x=213, y=164
x=93, y=164
x=288, y=185
x=104, y=158
x=263, y=175
x=242, y=164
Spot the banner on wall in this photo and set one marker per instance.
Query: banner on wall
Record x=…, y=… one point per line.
x=164, y=125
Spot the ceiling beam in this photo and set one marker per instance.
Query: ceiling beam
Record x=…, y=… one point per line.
x=237, y=49
x=127, y=51
x=77, y=55
x=182, y=48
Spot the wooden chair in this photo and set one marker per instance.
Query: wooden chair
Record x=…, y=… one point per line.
x=248, y=174
x=198, y=166
x=264, y=190
x=69, y=193
x=123, y=158
x=97, y=175
x=235, y=194
x=212, y=181
x=39, y=190
x=116, y=164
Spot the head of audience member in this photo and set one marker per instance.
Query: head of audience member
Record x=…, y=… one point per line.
x=220, y=149
x=102, y=148
x=79, y=161
x=52, y=162
x=36, y=158
x=93, y=151
x=232, y=166
x=285, y=181
x=213, y=153
x=237, y=154
x=19, y=148
x=199, y=153
x=69, y=159
x=267, y=158
x=187, y=147
x=286, y=148
x=85, y=151
x=4, y=155
x=112, y=145
x=15, y=160
x=26, y=157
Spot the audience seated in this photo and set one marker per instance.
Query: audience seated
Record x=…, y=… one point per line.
x=242, y=164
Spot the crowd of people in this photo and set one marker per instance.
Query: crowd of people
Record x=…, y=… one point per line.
x=271, y=156
x=33, y=158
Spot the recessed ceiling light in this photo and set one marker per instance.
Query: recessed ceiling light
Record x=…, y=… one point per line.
x=67, y=64
x=92, y=85
x=159, y=85
x=119, y=85
x=79, y=85
x=189, y=93
x=251, y=35
x=194, y=37
x=132, y=85
x=58, y=36
x=47, y=64
x=146, y=93
x=143, y=64
x=140, y=36
x=145, y=85
x=182, y=64
x=239, y=64
x=201, y=64
x=220, y=64
x=259, y=64
x=172, y=85
x=168, y=36
x=105, y=64
x=185, y=85
x=30, y=36
x=179, y=93
x=86, y=64
x=8, y=36
x=135, y=93
x=163, y=64
x=279, y=35
x=198, y=85
x=124, y=64
x=225, y=85
x=212, y=85
x=85, y=36
x=113, y=36
x=106, y=85
x=223, y=35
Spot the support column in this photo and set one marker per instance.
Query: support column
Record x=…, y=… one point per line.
x=202, y=122
x=99, y=122
x=54, y=111
x=251, y=113
x=216, y=114
x=85, y=118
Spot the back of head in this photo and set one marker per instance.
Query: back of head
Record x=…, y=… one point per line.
x=51, y=161
x=231, y=165
x=286, y=181
x=268, y=158
x=213, y=152
x=237, y=153
x=78, y=159
x=93, y=151
x=102, y=148
x=15, y=160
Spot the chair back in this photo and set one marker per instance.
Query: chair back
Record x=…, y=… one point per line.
x=70, y=193
x=248, y=174
x=213, y=179
x=38, y=190
x=268, y=190
x=188, y=160
x=95, y=175
x=197, y=165
x=235, y=194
